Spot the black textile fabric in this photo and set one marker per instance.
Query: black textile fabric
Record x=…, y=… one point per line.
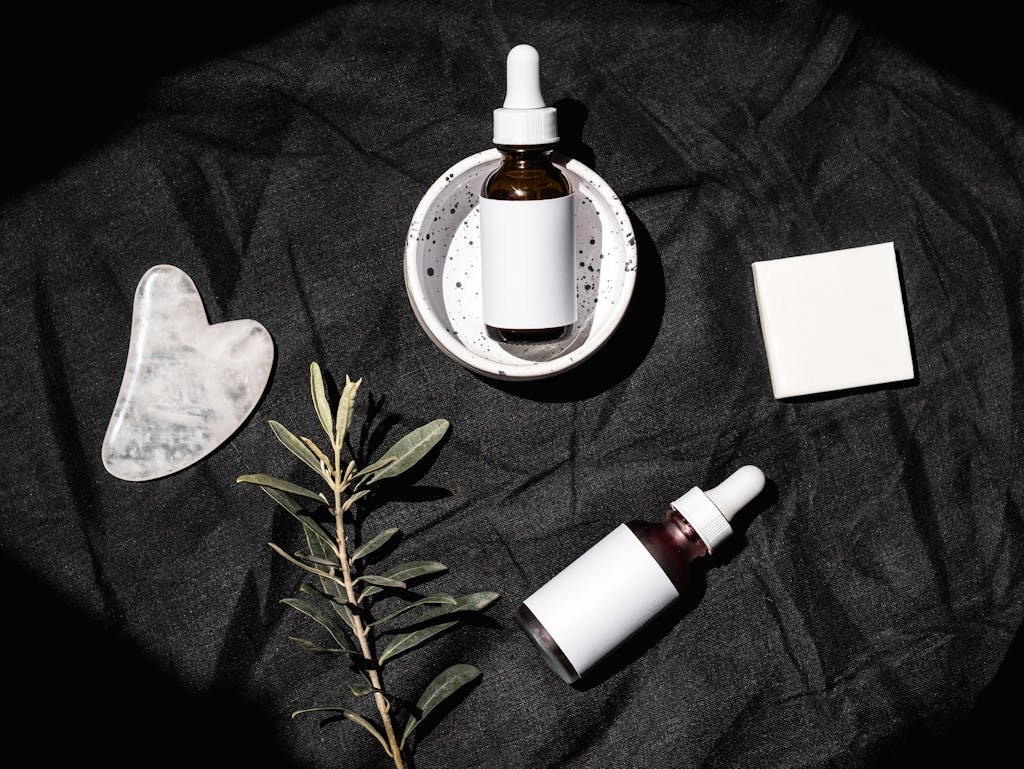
x=873, y=591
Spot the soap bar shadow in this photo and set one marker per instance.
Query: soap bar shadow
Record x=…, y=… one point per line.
x=651, y=634
x=900, y=385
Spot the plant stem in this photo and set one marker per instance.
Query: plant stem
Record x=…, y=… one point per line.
x=360, y=630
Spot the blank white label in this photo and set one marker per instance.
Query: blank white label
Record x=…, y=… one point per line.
x=527, y=263
x=602, y=598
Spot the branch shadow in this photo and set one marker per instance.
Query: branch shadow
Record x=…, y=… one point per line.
x=109, y=687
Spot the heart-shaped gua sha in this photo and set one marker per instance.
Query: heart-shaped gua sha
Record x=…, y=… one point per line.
x=187, y=385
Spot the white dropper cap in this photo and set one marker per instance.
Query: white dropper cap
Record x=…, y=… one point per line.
x=710, y=512
x=524, y=119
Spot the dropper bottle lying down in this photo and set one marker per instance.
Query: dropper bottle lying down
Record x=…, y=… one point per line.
x=622, y=582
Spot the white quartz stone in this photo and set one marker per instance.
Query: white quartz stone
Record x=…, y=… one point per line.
x=187, y=385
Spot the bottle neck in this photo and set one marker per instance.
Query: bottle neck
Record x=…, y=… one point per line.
x=525, y=157
x=673, y=543
x=684, y=534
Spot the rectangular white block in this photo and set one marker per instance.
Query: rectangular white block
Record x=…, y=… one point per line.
x=834, y=320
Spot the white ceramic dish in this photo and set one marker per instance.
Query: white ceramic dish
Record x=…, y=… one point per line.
x=442, y=272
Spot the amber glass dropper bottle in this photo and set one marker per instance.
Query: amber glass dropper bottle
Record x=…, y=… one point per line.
x=526, y=218
x=623, y=581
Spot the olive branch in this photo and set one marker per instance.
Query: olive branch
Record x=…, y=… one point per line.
x=344, y=585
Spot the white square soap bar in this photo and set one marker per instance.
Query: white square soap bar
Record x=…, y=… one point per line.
x=833, y=321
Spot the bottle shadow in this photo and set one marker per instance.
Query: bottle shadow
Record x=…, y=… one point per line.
x=651, y=634
x=572, y=116
x=633, y=339
x=624, y=351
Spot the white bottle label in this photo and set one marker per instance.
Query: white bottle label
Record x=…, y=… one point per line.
x=527, y=262
x=602, y=598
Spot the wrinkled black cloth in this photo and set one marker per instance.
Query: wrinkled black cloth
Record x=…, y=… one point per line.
x=873, y=591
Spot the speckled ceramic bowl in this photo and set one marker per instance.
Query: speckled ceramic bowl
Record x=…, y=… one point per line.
x=442, y=272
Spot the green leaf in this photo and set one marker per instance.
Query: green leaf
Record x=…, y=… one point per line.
x=295, y=510
x=295, y=446
x=411, y=449
x=269, y=481
x=345, y=404
x=353, y=499
x=407, y=572
x=378, y=465
x=424, y=631
x=373, y=579
x=304, y=566
x=351, y=715
x=312, y=611
x=323, y=408
x=361, y=689
x=440, y=689
x=439, y=599
x=309, y=589
x=314, y=648
x=331, y=563
x=470, y=602
x=409, y=641
x=332, y=588
x=377, y=542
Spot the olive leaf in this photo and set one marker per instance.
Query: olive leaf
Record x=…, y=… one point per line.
x=270, y=482
x=406, y=572
x=337, y=593
x=351, y=715
x=305, y=567
x=437, y=691
x=462, y=603
x=379, y=581
x=378, y=465
x=295, y=446
x=374, y=544
x=409, y=641
x=411, y=449
x=353, y=499
x=312, y=611
x=329, y=562
x=339, y=570
x=314, y=648
x=309, y=589
x=439, y=599
x=320, y=404
x=311, y=527
x=345, y=403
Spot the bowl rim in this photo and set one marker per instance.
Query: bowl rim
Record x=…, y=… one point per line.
x=531, y=370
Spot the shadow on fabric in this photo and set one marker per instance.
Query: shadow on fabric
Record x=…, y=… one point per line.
x=76, y=75
x=978, y=45
x=624, y=351
x=91, y=695
x=976, y=738
x=652, y=633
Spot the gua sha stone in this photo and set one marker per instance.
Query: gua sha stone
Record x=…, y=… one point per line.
x=187, y=386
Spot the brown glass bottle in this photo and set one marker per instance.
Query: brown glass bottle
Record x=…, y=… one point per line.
x=611, y=590
x=674, y=543
x=526, y=173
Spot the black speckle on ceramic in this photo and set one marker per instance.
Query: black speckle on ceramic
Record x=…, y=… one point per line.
x=444, y=249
